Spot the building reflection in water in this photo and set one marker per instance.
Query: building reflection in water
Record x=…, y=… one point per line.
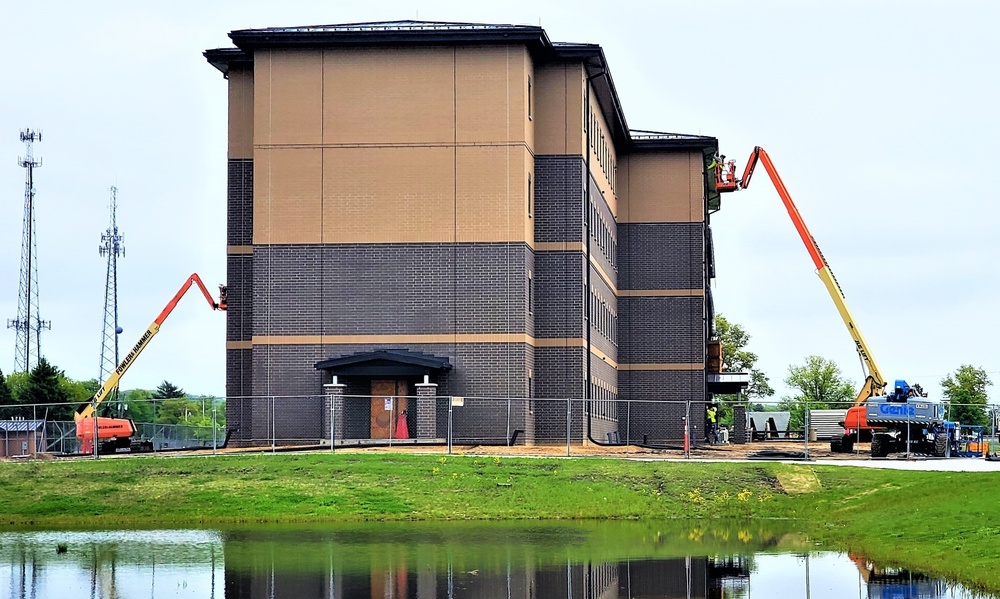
x=422, y=578
x=427, y=563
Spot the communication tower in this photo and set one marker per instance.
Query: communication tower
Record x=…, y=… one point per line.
x=28, y=326
x=112, y=246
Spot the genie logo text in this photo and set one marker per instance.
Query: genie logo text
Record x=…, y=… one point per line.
x=903, y=410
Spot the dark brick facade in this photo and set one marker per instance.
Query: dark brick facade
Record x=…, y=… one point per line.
x=656, y=330
x=662, y=256
x=662, y=399
x=559, y=197
x=481, y=289
x=402, y=289
x=239, y=230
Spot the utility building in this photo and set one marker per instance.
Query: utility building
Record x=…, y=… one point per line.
x=451, y=209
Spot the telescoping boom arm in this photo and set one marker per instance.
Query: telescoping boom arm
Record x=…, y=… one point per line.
x=87, y=410
x=726, y=181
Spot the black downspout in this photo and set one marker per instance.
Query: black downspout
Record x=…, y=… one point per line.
x=586, y=258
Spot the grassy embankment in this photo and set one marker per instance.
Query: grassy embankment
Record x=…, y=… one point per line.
x=943, y=523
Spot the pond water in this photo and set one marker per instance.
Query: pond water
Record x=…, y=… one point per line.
x=609, y=560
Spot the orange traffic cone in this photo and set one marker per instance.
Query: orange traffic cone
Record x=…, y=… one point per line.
x=402, y=430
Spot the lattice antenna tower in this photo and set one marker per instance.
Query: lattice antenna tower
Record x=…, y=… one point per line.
x=28, y=326
x=112, y=246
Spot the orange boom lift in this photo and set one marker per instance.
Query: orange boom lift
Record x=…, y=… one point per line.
x=115, y=434
x=726, y=181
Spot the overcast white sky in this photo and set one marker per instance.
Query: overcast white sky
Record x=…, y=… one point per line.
x=881, y=117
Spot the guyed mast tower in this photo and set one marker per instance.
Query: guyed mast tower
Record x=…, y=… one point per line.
x=28, y=325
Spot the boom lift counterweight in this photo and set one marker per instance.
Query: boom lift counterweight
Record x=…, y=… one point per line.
x=117, y=433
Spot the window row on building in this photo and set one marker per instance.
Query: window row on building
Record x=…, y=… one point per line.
x=602, y=149
x=603, y=234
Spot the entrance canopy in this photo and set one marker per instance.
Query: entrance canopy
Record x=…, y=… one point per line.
x=385, y=363
x=727, y=383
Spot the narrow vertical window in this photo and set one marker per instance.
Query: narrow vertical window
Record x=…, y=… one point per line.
x=529, y=99
x=531, y=293
x=531, y=196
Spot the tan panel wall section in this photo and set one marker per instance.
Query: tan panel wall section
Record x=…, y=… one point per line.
x=288, y=89
x=373, y=156
x=661, y=187
x=559, y=108
x=389, y=96
x=491, y=94
x=492, y=193
x=240, y=113
x=377, y=195
x=287, y=202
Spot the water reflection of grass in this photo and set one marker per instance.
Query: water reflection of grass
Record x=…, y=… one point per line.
x=943, y=522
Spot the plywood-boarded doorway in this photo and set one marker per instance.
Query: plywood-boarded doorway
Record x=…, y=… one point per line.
x=388, y=401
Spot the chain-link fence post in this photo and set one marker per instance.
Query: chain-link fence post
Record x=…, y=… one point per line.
x=857, y=433
x=508, y=422
x=451, y=412
x=94, y=416
x=687, y=420
x=215, y=429
x=628, y=423
x=273, y=427
x=569, y=417
x=152, y=438
x=907, y=408
x=806, y=431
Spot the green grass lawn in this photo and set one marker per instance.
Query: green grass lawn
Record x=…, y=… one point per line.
x=943, y=523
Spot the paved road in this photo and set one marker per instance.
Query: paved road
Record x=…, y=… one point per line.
x=939, y=464
x=929, y=464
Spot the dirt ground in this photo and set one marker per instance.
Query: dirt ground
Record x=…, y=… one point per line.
x=818, y=452
x=787, y=450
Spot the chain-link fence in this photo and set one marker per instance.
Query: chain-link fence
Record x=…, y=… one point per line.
x=572, y=425
x=159, y=425
x=569, y=426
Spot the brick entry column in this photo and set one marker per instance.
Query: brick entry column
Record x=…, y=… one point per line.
x=334, y=407
x=739, y=435
x=426, y=409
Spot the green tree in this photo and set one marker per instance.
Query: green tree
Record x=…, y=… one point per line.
x=965, y=392
x=137, y=404
x=17, y=382
x=820, y=385
x=168, y=390
x=44, y=387
x=181, y=410
x=6, y=397
x=737, y=358
x=79, y=391
x=7, y=403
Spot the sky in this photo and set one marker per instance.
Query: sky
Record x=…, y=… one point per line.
x=879, y=115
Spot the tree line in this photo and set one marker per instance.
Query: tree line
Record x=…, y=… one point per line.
x=820, y=384
x=46, y=393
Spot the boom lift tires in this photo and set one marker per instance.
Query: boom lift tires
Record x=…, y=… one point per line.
x=880, y=445
x=940, y=445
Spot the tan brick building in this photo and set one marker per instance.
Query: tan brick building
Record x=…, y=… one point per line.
x=464, y=203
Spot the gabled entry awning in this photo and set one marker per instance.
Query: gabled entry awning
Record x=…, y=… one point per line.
x=385, y=362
